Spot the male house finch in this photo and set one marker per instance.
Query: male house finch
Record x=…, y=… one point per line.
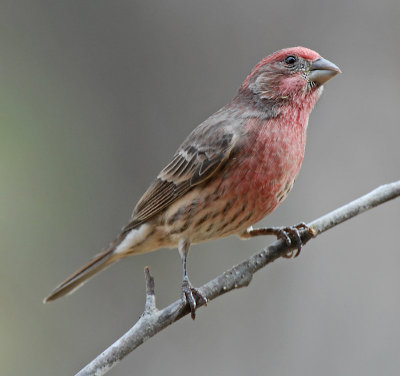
x=233, y=169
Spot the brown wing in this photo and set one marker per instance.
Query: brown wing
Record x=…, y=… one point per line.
x=198, y=158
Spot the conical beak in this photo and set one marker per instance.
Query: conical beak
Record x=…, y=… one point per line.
x=322, y=70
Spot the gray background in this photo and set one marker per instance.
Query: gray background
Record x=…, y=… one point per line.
x=95, y=98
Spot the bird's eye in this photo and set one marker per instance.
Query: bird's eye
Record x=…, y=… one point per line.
x=290, y=60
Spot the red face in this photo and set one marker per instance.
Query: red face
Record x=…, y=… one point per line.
x=291, y=72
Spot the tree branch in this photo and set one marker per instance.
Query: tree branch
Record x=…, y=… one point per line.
x=153, y=320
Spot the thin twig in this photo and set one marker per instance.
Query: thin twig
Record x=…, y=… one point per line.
x=150, y=305
x=153, y=320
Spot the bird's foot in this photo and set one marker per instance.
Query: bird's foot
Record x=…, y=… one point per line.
x=192, y=296
x=290, y=234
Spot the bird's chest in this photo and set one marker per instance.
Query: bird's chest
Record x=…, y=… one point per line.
x=267, y=164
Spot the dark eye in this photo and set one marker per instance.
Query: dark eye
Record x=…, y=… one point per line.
x=290, y=60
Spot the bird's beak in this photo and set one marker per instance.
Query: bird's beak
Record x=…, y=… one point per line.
x=322, y=70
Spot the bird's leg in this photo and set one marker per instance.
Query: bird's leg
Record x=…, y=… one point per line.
x=285, y=232
x=190, y=294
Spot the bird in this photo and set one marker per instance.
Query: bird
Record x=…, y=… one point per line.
x=232, y=170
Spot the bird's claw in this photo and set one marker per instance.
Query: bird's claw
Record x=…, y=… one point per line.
x=289, y=232
x=192, y=296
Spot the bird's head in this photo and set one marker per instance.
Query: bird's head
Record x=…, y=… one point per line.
x=290, y=73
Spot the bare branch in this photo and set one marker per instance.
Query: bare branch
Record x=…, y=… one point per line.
x=153, y=320
x=150, y=305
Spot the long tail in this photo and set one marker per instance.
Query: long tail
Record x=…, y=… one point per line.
x=129, y=241
x=77, y=279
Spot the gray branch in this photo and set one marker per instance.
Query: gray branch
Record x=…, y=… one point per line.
x=154, y=320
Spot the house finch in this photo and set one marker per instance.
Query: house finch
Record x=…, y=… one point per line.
x=233, y=169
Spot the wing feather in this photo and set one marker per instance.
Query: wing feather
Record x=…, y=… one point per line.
x=198, y=158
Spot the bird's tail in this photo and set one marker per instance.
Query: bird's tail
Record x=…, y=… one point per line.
x=76, y=280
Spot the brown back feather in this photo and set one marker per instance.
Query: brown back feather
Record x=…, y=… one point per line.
x=195, y=161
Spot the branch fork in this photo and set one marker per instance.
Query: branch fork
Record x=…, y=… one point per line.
x=150, y=304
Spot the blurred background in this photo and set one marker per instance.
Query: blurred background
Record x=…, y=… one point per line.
x=95, y=97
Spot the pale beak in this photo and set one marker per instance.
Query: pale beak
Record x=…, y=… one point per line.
x=322, y=70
